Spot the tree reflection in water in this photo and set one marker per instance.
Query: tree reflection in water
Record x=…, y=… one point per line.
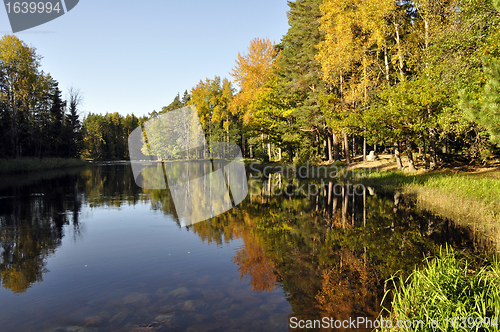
x=330, y=252
x=31, y=225
x=34, y=208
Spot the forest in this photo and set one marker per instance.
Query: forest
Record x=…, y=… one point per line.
x=419, y=79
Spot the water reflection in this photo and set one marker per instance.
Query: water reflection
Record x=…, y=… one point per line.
x=328, y=246
x=31, y=225
x=332, y=250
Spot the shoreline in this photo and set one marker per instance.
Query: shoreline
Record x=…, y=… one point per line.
x=30, y=164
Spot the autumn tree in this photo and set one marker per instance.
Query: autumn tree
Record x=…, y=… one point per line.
x=35, y=120
x=354, y=57
x=19, y=66
x=212, y=99
x=251, y=72
x=105, y=137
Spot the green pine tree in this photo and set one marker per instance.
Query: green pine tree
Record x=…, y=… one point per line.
x=301, y=73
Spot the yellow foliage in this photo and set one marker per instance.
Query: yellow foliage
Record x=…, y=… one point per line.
x=251, y=72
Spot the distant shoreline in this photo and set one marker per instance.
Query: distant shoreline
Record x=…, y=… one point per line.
x=29, y=164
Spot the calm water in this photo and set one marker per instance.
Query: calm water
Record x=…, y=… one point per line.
x=88, y=250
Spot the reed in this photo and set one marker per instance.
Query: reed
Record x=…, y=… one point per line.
x=448, y=294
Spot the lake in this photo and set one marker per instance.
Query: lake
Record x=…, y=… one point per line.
x=88, y=250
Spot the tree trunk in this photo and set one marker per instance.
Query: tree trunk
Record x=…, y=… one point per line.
x=397, y=155
x=432, y=149
x=424, y=152
x=409, y=153
x=400, y=51
x=346, y=147
x=329, y=148
x=353, y=147
x=318, y=145
x=344, y=206
x=364, y=147
x=364, y=206
x=243, y=147
x=432, y=142
x=335, y=147
x=432, y=132
x=386, y=61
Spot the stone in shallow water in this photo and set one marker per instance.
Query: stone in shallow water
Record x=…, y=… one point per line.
x=201, y=317
x=165, y=319
x=171, y=321
x=203, y=280
x=180, y=292
x=73, y=329
x=246, y=296
x=163, y=291
x=222, y=304
x=119, y=318
x=94, y=320
x=139, y=299
x=211, y=295
x=205, y=327
x=223, y=314
x=104, y=314
x=143, y=329
x=192, y=305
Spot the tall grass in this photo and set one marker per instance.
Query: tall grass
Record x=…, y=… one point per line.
x=20, y=165
x=486, y=190
x=448, y=292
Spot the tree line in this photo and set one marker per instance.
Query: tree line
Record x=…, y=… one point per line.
x=348, y=77
x=354, y=76
x=35, y=121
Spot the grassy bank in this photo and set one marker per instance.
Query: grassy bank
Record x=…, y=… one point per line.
x=471, y=200
x=448, y=294
x=20, y=165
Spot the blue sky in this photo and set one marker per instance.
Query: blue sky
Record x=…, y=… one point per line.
x=135, y=56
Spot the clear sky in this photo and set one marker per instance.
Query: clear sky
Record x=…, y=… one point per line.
x=135, y=56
